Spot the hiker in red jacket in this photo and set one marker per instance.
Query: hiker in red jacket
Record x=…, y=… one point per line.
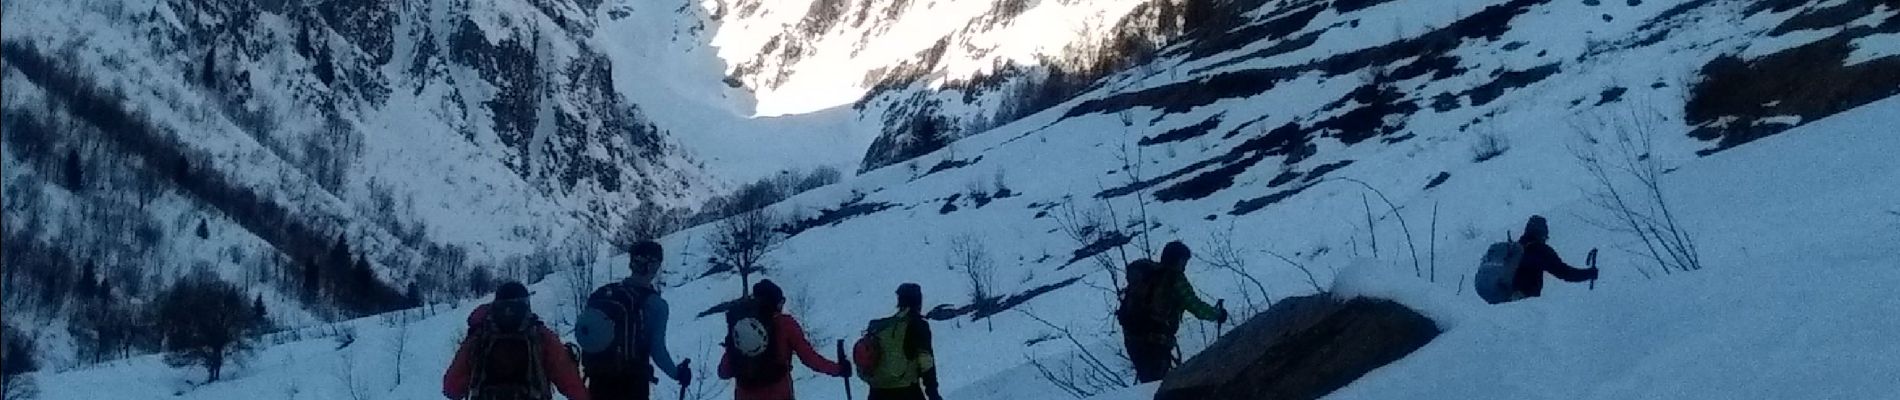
x=509, y=355
x=786, y=338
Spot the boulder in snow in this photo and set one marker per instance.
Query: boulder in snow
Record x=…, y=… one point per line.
x=1301, y=348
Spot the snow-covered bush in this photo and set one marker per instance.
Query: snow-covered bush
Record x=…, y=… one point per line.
x=1490, y=144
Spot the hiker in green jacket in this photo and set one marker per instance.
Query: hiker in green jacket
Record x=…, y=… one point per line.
x=895, y=355
x=1151, y=307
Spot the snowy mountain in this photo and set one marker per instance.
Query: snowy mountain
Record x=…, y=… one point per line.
x=421, y=140
x=1249, y=135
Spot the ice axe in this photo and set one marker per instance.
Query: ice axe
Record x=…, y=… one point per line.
x=1591, y=260
x=847, y=373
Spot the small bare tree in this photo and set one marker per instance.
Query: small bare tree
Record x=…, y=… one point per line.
x=401, y=345
x=647, y=222
x=346, y=374
x=705, y=385
x=1618, y=152
x=1393, y=210
x=1132, y=160
x=741, y=242
x=1310, y=279
x=1092, y=374
x=581, y=279
x=1087, y=225
x=1223, y=255
x=970, y=256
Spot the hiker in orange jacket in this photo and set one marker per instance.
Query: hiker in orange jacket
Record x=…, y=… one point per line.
x=789, y=340
x=505, y=339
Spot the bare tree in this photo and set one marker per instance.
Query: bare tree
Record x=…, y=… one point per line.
x=401, y=345
x=194, y=336
x=346, y=373
x=741, y=242
x=1223, y=255
x=581, y=278
x=647, y=222
x=970, y=256
x=1132, y=159
x=1310, y=279
x=707, y=386
x=1086, y=226
x=1393, y=210
x=1432, y=243
x=1091, y=374
x=1618, y=152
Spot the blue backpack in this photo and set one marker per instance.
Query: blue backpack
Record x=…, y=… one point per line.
x=1498, y=270
x=609, y=333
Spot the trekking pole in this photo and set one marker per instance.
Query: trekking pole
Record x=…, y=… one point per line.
x=685, y=366
x=1592, y=260
x=847, y=377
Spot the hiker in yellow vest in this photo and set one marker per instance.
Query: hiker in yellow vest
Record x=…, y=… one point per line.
x=895, y=355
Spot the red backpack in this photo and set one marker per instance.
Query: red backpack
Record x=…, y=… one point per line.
x=509, y=365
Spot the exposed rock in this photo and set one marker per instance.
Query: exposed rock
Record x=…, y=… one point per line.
x=1301, y=348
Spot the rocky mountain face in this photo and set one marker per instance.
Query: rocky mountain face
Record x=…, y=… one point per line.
x=519, y=78
x=418, y=149
x=932, y=72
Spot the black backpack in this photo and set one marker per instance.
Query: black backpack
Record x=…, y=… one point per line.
x=1146, y=306
x=752, y=341
x=509, y=347
x=610, y=336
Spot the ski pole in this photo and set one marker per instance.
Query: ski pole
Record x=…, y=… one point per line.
x=1592, y=260
x=847, y=372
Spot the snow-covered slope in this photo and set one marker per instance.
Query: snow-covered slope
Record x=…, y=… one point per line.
x=248, y=138
x=1462, y=114
x=1790, y=307
x=1783, y=311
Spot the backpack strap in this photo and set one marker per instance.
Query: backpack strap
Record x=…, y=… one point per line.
x=637, y=345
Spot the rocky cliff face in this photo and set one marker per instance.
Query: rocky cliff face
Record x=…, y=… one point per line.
x=522, y=79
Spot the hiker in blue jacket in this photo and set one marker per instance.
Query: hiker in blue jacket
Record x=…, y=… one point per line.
x=622, y=332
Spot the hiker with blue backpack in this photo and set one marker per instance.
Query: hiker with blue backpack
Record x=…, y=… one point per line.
x=895, y=356
x=622, y=332
x=1514, y=271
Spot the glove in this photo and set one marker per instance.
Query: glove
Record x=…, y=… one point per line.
x=846, y=366
x=1221, y=316
x=1592, y=273
x=686, y=371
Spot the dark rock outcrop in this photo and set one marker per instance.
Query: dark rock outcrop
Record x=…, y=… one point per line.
x=1301, y=348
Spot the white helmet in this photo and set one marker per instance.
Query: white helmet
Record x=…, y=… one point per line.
x=749, y=337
